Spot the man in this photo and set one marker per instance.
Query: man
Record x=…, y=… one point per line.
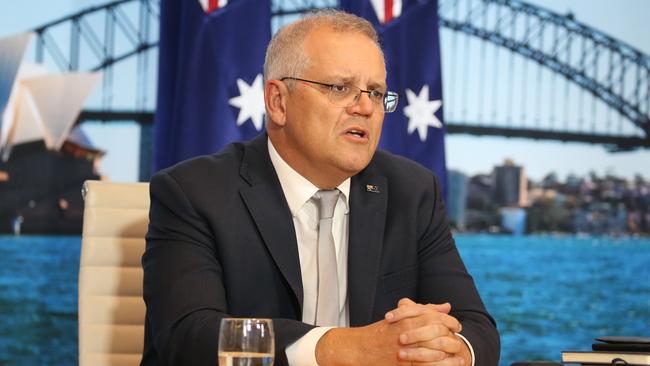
x=244, y=233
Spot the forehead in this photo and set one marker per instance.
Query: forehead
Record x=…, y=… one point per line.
x=346, y=54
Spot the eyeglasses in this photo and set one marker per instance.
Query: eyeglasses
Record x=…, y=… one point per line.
x=346, y=95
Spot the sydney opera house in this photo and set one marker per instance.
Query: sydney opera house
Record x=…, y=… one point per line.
x=44, y=159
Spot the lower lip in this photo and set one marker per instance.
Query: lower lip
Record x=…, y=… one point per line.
x=356, y=138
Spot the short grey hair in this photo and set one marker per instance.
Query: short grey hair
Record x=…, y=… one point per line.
x=285, y=54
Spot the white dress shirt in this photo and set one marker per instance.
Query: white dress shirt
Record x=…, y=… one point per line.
x=298, y=192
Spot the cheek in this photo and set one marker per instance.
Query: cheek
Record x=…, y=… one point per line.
x=327, y=122
x=377, y=126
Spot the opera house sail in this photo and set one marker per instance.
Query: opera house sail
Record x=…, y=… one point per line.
x=43, y=159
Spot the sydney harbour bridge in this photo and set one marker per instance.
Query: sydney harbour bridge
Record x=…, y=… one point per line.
x=510, y=69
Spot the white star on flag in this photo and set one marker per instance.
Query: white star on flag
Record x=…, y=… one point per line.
x=250, y=102
x=420, y=112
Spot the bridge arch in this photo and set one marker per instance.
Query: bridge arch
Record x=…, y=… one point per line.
x=605, y=68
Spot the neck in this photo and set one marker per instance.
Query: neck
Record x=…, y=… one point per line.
x=322, y=177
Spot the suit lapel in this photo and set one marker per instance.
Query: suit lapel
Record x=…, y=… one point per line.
x=368, y=201
x=268, y=207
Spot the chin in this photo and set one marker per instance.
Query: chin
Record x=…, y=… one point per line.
x=355, y=166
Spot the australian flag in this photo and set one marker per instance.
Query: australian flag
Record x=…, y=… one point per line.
x=408, y=31
x=210, y=89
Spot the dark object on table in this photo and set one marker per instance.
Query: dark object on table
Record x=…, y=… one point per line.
x=622, y=344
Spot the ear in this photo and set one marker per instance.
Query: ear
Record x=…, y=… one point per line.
x=275, y=98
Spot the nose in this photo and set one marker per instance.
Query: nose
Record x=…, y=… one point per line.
x=362, y=104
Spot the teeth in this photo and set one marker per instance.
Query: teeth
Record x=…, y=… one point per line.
x=355, y=132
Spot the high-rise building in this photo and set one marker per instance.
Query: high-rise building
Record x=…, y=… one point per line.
x=456, y=198
x=510, y=185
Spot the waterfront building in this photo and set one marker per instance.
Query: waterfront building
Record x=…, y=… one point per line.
x=510, y=185
x=513, y=220
x=457, y=183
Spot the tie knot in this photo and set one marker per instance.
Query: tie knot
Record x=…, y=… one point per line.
x=326, y=201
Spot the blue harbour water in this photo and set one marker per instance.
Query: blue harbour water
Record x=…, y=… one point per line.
x=547, y=293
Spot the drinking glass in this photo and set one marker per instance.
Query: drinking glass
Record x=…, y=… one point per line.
x=246, y=342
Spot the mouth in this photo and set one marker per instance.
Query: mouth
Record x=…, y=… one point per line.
x=356, y=133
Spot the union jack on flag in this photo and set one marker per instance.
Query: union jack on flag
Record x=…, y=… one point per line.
x=387, y=10
x=211, y=5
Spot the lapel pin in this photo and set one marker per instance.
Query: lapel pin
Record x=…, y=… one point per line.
x=372, y=188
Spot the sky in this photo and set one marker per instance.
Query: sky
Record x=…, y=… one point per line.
x=625, y=20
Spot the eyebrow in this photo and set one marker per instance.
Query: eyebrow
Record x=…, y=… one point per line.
x=377, y=86
x=372, y=85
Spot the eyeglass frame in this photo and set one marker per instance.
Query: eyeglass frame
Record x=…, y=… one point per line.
x=386, y=94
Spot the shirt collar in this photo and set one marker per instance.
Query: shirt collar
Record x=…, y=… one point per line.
x=297, y=189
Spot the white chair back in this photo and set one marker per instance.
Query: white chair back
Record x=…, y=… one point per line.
x=111, y=308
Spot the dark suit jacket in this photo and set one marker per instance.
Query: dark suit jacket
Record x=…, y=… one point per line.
x=221, y=243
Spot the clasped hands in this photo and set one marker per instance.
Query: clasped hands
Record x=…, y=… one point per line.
x=409, y=335
x=427, y=334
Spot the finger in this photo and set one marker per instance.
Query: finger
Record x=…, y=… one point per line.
x=426, y=333
x=420, y=354
x=423, y=334
x=448, y=344
x=404, y=312
x=441, y=308
x=450, y=322
x=450, y=361
x=408, y=309
x=447, y=320
x=422, y=315
x=405, y=301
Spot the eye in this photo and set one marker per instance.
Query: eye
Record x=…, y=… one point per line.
x=376, y=95
x=339, y=89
